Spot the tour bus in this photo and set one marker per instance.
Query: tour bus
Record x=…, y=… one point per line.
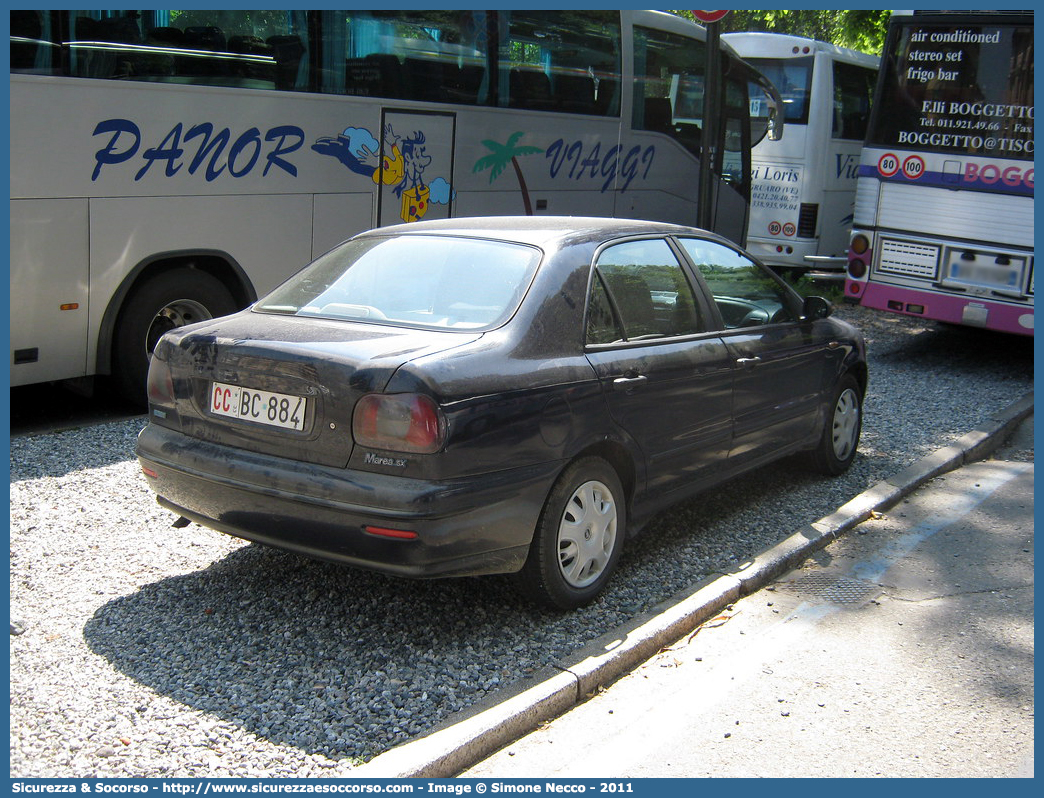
x=944, y=204
x=803, y=185
x=172, y=166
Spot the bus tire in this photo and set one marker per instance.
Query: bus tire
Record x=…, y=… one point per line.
x=167, y=301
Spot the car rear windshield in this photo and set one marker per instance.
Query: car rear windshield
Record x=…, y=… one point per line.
x=444, y=282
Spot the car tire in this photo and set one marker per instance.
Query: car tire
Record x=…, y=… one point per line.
x=578, y=539
x=840, y=437
x=165, y=302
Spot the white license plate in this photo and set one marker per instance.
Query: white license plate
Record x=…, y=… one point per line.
x=261, y=407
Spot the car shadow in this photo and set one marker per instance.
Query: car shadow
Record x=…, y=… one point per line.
x=321, y=657
x=347, y=663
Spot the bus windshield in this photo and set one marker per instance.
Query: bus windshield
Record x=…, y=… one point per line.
x=965, y=89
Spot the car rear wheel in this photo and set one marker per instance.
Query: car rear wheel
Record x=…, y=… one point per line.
x=578, y=538
x=167, y=301
x=840, y=437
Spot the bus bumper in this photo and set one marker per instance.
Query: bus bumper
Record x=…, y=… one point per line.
x=950, y=308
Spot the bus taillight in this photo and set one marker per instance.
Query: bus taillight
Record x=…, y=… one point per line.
x=860, y=244
x=856, y=269
x=858, y=257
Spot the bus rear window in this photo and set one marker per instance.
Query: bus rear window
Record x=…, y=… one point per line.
x=962, y=89
x=792, y=77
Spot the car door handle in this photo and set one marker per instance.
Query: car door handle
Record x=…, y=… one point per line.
x=629, y=383
x=748, y=362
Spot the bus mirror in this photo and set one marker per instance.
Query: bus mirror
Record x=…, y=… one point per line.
x=771, y=125
x=816, y=308
x=758, y=128
x=775, y=113
x=775, y=126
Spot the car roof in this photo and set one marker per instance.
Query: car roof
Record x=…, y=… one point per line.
x=540, y=230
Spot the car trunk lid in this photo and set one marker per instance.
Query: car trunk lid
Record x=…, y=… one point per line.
x=287, y=386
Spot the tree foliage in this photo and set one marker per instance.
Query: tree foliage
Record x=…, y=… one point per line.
x=861, y=30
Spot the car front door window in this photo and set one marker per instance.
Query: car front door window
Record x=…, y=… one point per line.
x=746, y=294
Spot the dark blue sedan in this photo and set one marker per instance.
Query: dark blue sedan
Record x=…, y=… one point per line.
x=496, y=395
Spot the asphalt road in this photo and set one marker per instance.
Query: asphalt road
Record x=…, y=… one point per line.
x=904, y=649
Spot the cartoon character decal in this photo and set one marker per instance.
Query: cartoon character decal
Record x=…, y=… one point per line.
x=402, y=167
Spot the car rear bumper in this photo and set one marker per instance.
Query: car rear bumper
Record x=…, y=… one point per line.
x=475, y=525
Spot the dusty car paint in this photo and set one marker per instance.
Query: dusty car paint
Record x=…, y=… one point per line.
x=520, y=402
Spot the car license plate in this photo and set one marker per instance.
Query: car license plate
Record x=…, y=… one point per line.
x=260, y=407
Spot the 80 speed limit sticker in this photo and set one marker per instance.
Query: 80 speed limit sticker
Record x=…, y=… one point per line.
x=888, y=164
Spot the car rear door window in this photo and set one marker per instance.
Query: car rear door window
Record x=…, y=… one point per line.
x=640, y=291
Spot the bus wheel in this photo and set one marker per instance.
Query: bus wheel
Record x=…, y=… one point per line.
x=167, y=301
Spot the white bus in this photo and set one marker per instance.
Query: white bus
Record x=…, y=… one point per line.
x=944, y=208
x=803, y=185
x=170, y=166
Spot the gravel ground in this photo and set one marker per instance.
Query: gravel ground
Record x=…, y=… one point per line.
x=139, y=650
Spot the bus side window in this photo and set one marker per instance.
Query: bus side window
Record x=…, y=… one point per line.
x=735, y=166
x=289, y=52
x=607, y=96
x=853, y=89
x=560, y=61
x=575, y=93
x=668, y=86
x=428, y=56
x=529, y=88
x=31, y=50
x=216, y=48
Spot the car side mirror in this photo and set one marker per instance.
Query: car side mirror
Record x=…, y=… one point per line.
x=816, y=307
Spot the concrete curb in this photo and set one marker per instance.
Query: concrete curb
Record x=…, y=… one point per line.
x=456, y=746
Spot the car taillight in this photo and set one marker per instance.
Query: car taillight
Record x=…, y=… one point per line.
x=402, y=422
x=160, y=383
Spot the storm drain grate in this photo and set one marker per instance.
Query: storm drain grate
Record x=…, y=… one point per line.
x=850, y=592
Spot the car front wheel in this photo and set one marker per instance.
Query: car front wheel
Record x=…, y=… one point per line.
x=840, y=436
x=578, y=538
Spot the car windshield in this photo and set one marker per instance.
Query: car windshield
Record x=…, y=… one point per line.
x=444, y=282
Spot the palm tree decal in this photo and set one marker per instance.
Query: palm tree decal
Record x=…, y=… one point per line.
x=502, y=155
